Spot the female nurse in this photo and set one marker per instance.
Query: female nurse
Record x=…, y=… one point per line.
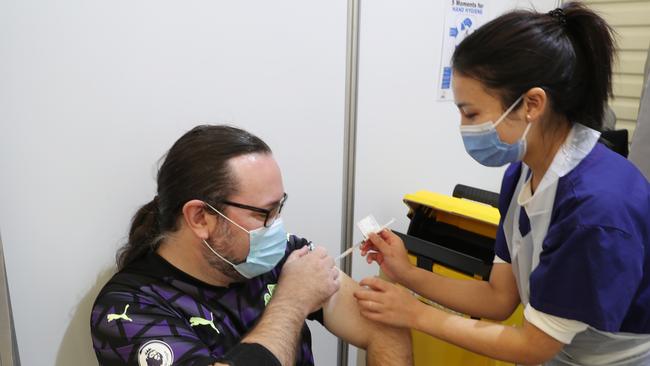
x=573, y=243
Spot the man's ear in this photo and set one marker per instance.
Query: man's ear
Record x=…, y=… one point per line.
x=536, y=101
x=198, y=219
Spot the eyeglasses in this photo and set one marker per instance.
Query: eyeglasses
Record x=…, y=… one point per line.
x=270, y=215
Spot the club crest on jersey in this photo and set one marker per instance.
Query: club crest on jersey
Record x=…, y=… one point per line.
x=155, y=353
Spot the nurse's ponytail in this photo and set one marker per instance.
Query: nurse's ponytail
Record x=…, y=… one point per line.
x=594, y=46
x=568, y=52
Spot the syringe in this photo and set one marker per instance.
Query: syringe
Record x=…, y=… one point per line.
x=348, y=251
x=352, y=248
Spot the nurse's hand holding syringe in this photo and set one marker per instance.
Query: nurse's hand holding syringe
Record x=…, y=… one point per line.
x=388, y=250
x=367, y=225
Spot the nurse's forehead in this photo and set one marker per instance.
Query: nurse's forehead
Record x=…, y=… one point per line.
x=466, y=90
x=464, y=85
x=470, y=92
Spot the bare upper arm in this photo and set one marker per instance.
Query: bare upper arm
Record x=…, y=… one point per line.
x=541, y=346
x=342, y=317
x=504, y=285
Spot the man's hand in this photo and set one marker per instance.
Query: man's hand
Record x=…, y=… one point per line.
x=310, y=278
x=306, y=281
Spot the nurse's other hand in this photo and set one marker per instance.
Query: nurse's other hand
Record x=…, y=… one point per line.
x=390, y=254
x=387, y=303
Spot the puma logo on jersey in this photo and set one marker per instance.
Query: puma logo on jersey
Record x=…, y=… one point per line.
x=269, y=295
x=122, y=316
x=195, y=321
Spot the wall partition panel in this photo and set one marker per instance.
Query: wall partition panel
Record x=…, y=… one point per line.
x=407, y=140
x=92, y=93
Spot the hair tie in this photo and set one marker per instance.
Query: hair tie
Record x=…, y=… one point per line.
x=559, y=15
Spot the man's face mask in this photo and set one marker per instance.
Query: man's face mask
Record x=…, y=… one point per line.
x=267, y=248
x=482, y=142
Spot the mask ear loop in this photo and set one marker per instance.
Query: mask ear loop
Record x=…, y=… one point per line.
x=226, y=217
x=234, y=223
x=529, y=125
x=523, y=139
x=507, y=112
x=217, y=254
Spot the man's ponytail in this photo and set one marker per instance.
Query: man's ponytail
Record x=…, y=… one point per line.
x=144, y=235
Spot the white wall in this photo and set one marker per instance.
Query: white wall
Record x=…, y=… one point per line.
x=631, y=23
x=92, y=93
x=408, y=141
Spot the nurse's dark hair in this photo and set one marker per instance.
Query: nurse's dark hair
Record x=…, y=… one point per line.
x=196, y=167
x=567, y=52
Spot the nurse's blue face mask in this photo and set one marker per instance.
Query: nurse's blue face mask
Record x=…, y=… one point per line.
x=267, y=247
x=482, y=142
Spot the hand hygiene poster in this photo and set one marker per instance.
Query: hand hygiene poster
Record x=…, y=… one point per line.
x=462, y=17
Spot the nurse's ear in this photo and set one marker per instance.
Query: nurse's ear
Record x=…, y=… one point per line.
x=535, y=103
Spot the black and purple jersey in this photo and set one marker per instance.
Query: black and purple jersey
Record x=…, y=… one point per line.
x=151, y=313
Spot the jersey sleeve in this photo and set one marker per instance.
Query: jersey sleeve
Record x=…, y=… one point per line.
x=132, y=330
x=587, y=273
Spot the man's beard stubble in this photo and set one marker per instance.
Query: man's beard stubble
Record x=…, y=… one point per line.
x=221, y=236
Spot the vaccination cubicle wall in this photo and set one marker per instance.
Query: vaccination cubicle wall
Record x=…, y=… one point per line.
x=409, y=141
x=93, y=92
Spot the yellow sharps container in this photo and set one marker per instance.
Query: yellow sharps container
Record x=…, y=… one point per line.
x=453, y=237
